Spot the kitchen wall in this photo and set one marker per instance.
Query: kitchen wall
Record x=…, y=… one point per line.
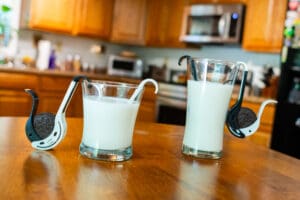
x=80, y=45
x=233, y=53
x=64, y=45
x=8, y=50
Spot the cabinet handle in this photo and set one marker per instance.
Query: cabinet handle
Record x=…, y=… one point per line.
x=297, y=122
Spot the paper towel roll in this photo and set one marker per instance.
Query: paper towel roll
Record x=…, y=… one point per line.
x=44, y=51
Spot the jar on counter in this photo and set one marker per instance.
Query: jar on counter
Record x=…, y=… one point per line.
x=69, y=63
x=77, y=63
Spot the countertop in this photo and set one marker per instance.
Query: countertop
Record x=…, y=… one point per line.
x=101, y=75
x=157, y=170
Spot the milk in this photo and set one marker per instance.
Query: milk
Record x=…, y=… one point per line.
x=207, y=106
x=108, y=122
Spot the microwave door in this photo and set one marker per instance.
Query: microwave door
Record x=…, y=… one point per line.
x=224, y=26
x=212, y=24
x=202, y=28
x=208, y=28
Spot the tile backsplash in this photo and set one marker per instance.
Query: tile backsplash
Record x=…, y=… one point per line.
x=81, y=45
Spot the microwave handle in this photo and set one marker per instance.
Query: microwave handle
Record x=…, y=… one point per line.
x=224, y=24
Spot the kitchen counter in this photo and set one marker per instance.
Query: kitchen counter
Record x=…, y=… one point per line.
x=70, y=74
x=50, y=86
x=157, y=169
x=100, y=75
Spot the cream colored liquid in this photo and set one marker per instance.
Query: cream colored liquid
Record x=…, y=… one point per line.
x=207, y=106
x=108, y=122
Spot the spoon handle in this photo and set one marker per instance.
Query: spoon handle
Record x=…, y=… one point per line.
x=141, y=87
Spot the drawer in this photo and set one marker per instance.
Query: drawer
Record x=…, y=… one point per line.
x=54, y=83
x=18, y=81
x=14, y=103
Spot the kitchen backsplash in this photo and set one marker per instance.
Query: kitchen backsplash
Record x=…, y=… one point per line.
x=65, y=45
x=157, y=56
x=151, y=56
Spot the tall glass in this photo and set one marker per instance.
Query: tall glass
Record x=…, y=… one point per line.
x=109, y=119
x=210, y=85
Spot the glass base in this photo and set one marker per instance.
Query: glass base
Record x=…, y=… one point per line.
x=107, y=155
x=200, y=154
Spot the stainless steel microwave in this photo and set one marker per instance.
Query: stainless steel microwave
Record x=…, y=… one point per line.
x=125, y=66
x=212, y=23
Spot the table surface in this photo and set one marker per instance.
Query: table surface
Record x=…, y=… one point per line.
x=157, y=169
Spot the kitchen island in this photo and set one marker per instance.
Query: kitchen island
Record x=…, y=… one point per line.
x=157, y=169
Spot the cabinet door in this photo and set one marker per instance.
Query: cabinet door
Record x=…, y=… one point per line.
x=264, y=23
x=216, y=1
x=54, y=15
x=164, y=23
x=14, y=101
x=129, y=21
x=94, y=18
x=147, y=106
x=52, y=92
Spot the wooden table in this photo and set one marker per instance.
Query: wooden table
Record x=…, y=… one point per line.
x=157, y=169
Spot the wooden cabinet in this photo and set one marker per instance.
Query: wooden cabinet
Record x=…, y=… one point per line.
x=129, y=21
x=164, y=20
x=51, y=88
x=147, y=106
x=94, y=18
x=52, y=91
x=53, y=15
x=153, y=23
x=79, y=17
x=264, y=24
x=14, y=101
x=216, y=1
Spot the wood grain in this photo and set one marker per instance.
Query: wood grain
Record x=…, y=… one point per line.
x=157, y=169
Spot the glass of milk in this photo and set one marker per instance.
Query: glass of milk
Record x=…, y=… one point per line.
x=209, y=88
x=109, y=119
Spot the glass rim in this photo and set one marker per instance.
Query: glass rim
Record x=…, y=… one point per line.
x=214, y=60
x=111, y=83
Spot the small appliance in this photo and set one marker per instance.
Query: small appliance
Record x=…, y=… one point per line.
x=212, y=23
x=125, y=66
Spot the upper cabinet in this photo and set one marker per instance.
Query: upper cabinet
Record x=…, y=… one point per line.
x=153, y=22
x=94, y=18
x=264, y=24
x=80, y=17
x=129, y=21
x=216, y=1
x=164, y=21
x=54, y=15
x=148, y=22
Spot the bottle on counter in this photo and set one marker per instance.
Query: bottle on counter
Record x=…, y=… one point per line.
x=77, y=63
x=52, y=60
x=69, y=63
x=85, y=67
x=294, y=95
x=44, y=51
